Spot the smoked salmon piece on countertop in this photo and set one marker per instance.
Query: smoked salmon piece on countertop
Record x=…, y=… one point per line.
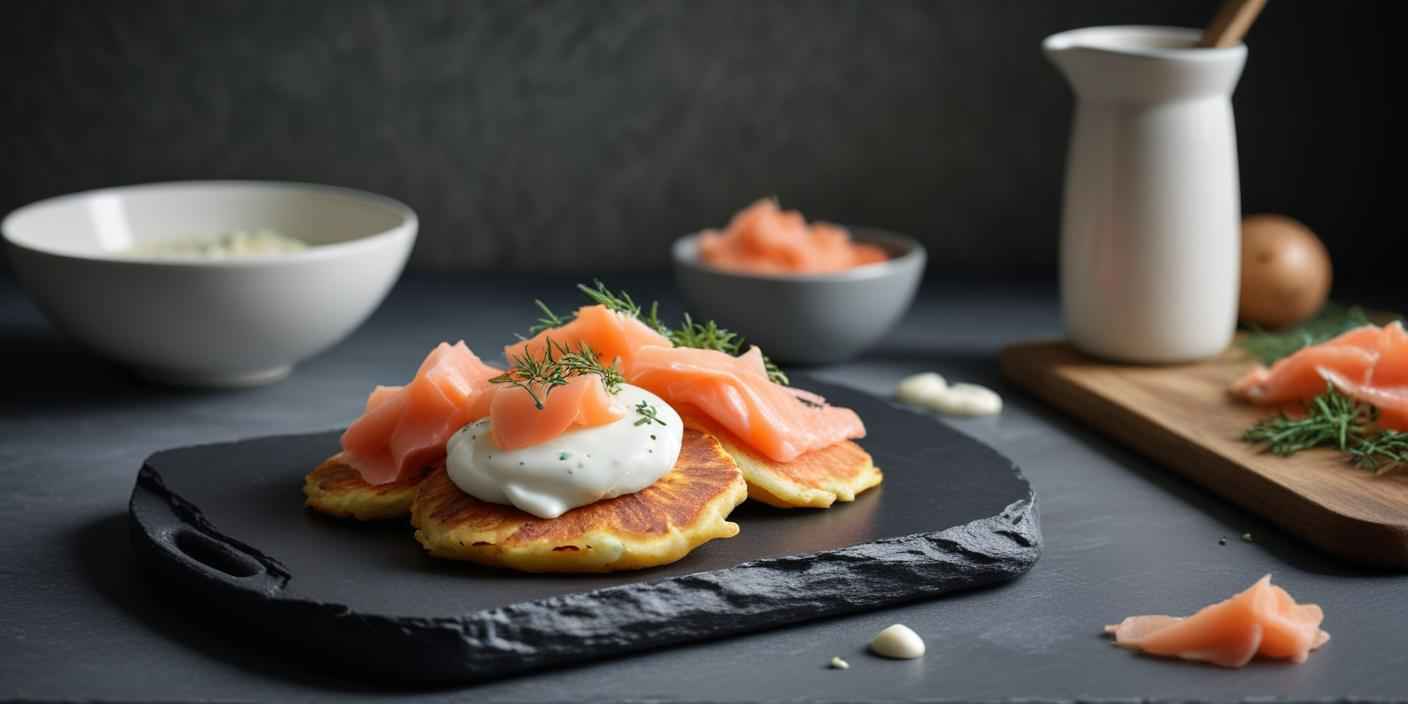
x=735, y=392
x=1368, y=363
x=611, y=335
x=1263, y=620
x=405, y=428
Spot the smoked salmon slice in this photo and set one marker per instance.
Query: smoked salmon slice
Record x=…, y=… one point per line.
x=516, y=420
x=405, y=428
x=735, y=392
x=765, y=239
x=1368, y=363
x=1263, y=620
x=610, y=334
x=1386, y=387
x=1298, y=378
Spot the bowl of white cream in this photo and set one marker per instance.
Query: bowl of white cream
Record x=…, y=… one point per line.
x=210, y=283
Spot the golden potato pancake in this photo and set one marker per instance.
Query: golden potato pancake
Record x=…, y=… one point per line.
x=655, y=526
x=816, y=479
x=335, y=488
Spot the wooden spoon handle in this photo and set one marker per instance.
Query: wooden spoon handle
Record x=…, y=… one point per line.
x=1231, y=23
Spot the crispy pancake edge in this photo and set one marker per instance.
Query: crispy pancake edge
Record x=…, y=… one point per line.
x=336, y=489
x=624, y=533
x=768, y=480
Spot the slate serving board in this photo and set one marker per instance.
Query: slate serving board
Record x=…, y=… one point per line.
x=1183, y=416
x=227, y=521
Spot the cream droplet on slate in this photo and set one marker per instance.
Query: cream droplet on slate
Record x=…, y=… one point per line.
x=839, y=664
x=929, y=390
x=897, y=641
x=918, y=389
x=968, y=400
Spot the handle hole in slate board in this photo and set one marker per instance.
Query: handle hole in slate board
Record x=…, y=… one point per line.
x=215, y=555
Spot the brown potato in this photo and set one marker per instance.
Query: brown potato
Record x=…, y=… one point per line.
x=1286, y=272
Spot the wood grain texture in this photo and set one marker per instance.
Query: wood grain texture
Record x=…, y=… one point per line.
x=1183, y=417
x=1231, y=23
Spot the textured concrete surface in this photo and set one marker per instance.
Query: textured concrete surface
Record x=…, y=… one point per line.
x=583, y=136
x=81, y=621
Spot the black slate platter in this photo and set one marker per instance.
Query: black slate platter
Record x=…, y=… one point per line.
x=227, y=521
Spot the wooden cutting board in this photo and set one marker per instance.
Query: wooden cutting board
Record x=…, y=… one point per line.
x=1182, y=416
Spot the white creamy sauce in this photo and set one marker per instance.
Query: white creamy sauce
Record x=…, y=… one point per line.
x=929, y=390
x=240, y=243
x=898, y=641
x=576, y=468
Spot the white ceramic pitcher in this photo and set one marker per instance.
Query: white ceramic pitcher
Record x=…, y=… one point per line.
x=1150, y=232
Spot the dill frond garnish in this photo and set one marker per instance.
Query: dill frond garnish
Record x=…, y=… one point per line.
x=703, y=336
x=709, y=336
x=775, y=373
x=1334, y=420
x=1332, y=320
x=549, y=320
x=653, y=320
x=558, y=365
x=647, y=413
x=617, y=301
x=1382, y=453
x=1331, y=420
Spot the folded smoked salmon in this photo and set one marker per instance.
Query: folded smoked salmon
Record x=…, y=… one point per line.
x=794, y=448
x=1369, y=363
x=1263, y=620
x=778, y=421
x=401, y=435
x=523, y=419
x=612, y=335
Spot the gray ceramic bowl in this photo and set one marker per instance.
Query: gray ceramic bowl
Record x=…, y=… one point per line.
x=806, y=319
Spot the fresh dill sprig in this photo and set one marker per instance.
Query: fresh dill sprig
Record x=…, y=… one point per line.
x=704, y=336
x=558, y=365
x=1332, y=419
x=709, y=336
x=617, y=301
x=1332, y=320
x=653, y=320
x=1382, y=453
x=775, y=373
x=1339, y=422
x=647, y=414
x=549, y=320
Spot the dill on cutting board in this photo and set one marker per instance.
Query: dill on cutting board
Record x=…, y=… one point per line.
x=1267, y=346
x=1334, y=420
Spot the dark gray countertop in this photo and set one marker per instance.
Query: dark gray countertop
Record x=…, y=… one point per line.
x=79, y=620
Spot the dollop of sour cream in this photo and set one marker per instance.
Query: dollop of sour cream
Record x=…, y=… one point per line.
x=576, y=468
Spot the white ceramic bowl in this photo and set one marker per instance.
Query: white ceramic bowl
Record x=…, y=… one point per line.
x=210, y=322
x=808, y=318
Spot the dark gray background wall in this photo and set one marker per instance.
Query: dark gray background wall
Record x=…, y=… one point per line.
x=586, y=135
